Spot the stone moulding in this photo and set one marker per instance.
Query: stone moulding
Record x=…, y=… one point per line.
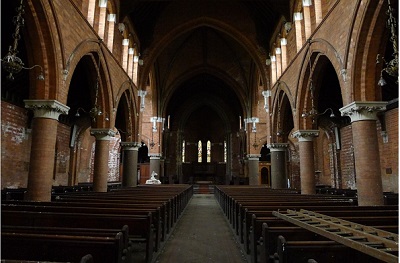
x=50, y=109
x=102, y=134
x=305, y=135
x=363, y=110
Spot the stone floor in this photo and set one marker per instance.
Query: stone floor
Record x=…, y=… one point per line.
x=202, y=235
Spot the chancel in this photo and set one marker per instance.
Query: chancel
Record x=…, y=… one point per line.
x=199, y=131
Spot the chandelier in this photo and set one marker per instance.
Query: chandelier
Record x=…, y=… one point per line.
x=392, y=66
x=11, y=63
x=96, y=110
x=313, y=112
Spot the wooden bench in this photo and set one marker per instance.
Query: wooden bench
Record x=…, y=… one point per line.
x=55, y=247
x=267, y=244
x=140, y=226
x=321, y=251
x=85, y=208
x=248, y=209
x=256, y=235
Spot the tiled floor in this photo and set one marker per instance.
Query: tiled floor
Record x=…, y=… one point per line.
x=202, y=235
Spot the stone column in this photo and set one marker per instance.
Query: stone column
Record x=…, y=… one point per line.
x=155, y=164
x=130, y=163
x=363, y=117
x=44, y=134
x=306, y=152
x=278, y=165
x=252, y=162
x=101, y=156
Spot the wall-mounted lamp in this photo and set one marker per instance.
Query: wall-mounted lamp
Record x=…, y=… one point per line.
x=314, y=113
x=96, y=110
x=11, y=63
x=287, y=26
x=252, y=120
x=142, y=94
x=392, y=66
x=266, y=94
x=93, y=113
x=121, y=27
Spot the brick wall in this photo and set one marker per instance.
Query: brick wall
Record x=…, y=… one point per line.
x=347, y=158
x=388, y=150
x=15, y=146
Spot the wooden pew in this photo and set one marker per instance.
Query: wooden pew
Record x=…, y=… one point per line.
x=140, y=226
x=270, y=232
x=268, y=246
x=321, y=251
x=85, y=208
x=240, y=204
x=55, y=247
x=131, y=201
x=256, y=234
x=166, y=212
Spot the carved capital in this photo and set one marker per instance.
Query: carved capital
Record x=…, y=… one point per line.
x=130, y=146
x=50, y=109
x=278, y=147
x=102, y=134
x=155, y=156
x=305, y=135
x=363, y=110
x=253, y=157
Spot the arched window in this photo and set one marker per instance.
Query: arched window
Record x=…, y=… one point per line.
x=225, y=151
x=199, y=152
x=208, y=151
x=183, y=151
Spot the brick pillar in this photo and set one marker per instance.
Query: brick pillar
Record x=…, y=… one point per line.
x=101, y=156
x=306, y=152
x=155, y=164
x=278, y=165
x=366, y=151
x=130, y=163
x=44, y=134
x=252, y=162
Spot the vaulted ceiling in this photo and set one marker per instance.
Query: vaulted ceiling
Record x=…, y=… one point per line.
x=265, y=14
x=205, y=54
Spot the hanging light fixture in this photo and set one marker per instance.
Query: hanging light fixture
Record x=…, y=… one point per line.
x=11, y=63
x=96, y=110
x=392, y=66
x=279, y=132
x=313, y=113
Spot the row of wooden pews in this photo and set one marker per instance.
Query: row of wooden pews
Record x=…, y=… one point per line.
x=389, y=198
x=121, y=225
x=268, y=233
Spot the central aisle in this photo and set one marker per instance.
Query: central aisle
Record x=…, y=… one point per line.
x=202, y=235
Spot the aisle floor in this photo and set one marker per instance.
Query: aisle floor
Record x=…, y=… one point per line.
x=202, y=235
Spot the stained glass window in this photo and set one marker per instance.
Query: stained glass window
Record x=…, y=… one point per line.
x=225, y=151
x=208, y=151
x=199, y=152
x=183, y=151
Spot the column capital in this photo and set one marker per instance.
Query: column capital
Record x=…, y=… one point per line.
x=305, y=135
x=102, y=134
x=155, y=156
x=363, y=110
x=50, y=109
x=130, y=146
x=278, y=147
x=253, y=157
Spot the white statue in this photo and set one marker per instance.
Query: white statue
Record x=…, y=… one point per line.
x=153, y=179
